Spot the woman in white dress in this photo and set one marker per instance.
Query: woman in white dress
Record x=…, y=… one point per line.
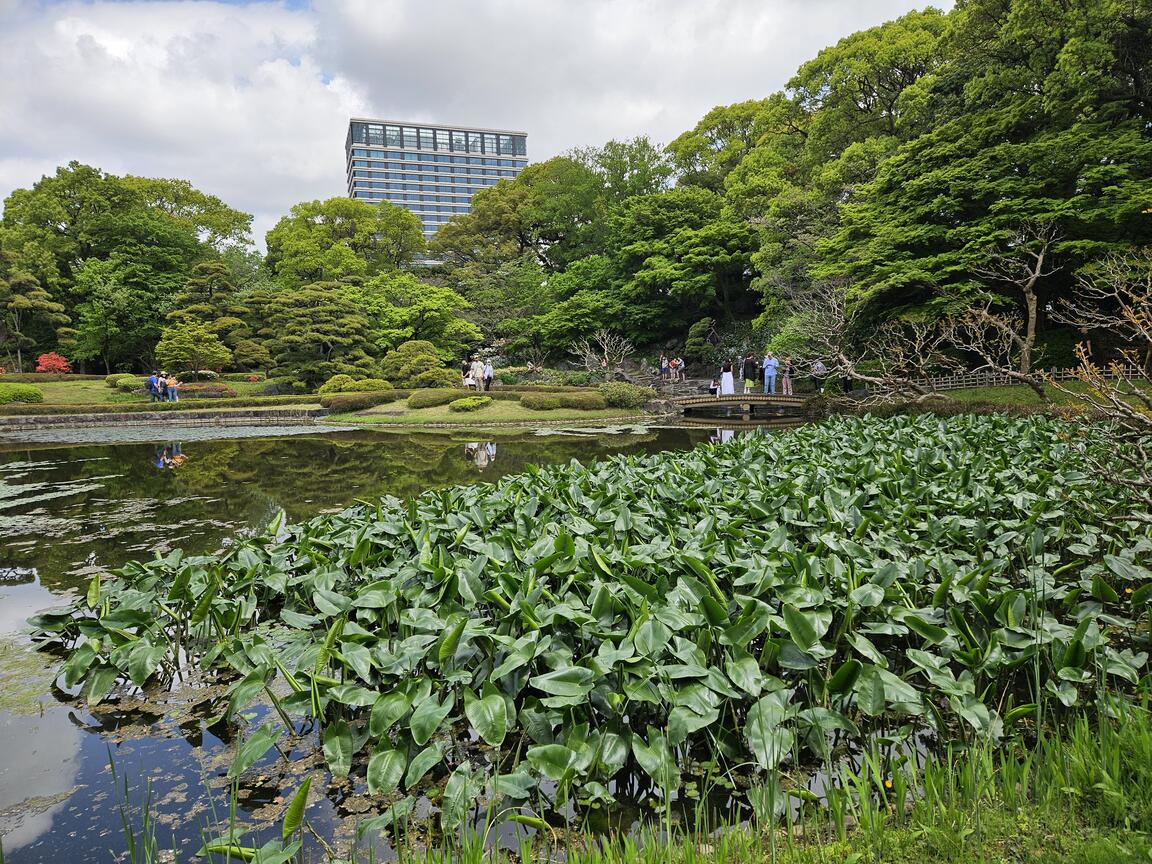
x=727, y=385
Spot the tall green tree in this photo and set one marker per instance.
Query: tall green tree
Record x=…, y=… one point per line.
x=341, y=238
x=191, y=347
x=628, y=168
x=317, y=331
x=552, y=209
x=401, y=308
x=1043, y=117
x=24, y=304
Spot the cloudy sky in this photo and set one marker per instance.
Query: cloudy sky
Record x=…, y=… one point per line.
x=250, y=100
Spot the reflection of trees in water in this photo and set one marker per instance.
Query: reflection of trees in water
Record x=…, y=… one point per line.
x=225, y=487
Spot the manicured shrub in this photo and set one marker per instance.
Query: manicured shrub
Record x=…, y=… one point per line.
x=335, y=384
x=53, y=363
x=206, y=390
x=206, y=375
x=132, y=384
x=20, y=393
x=115, y=378
x=619, y=394
x=470, y=403
x=416, y=364
x=344, y=403
x=436, y=378
x=583, y=401
x=367, y=385
x=540, y=401
x=250, y=377
x=432, y=398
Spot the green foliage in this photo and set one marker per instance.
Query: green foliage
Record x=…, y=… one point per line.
x=401, y=308
x=20, y=393
x=469, y=403
x=696, y=344
x=541, y=401
x=345, y=403
x=335, y=384
x=620, y=394
x=341, y=238
x=985, y=601
x=628, y=168
x=367, y=385
x=433, y=397
x=134, y=407
x=189, y=347
x=417, y=364
x=131, y=384
x=583, y=401
x=114, y=251
x=24, y=305
x=318, y=331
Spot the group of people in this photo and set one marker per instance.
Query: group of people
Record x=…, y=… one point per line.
x=671, y=368
x=163, y=387
x=477, y=375
x=753, y=369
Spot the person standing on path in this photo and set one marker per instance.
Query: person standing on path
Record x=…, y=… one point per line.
x=727, y=385
x=665, y=369
x=819, y=372
x=477, y=371
x=173, y=389
x=465, y=368
x=789, y=372
x=771, y=364
x=489, y=374
x=153, y=387
x=162, y=386
x=750, y=372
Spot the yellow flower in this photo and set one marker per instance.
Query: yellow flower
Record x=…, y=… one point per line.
x=887, y=784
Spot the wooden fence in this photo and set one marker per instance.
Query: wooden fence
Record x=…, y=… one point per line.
x=964, y=380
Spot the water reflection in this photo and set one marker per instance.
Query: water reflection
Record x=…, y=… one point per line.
x=67, y=511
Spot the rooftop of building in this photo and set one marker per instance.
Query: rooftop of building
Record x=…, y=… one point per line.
x=423, y=125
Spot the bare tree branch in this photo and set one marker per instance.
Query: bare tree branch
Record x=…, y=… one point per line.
x=996, y=339
x=603, y=352
x=1024, y=260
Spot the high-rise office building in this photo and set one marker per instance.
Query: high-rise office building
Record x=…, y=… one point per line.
x=431, y=170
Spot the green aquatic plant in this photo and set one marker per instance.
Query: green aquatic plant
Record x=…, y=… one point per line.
x=765, y=604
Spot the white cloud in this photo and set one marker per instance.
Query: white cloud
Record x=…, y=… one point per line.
x=251, y=102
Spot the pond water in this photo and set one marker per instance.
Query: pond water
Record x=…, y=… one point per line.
x=69, y=510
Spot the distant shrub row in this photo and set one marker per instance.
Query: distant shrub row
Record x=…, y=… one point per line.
x=137, y=407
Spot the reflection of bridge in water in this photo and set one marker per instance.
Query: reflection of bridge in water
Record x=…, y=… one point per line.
x=748, y=407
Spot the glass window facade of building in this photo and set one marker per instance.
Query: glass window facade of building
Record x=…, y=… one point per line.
x=431, y=170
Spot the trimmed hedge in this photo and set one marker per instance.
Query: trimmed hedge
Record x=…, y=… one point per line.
x=138, y=407
x=540, y=402
x=244, y=376
x=20, y=393
x=345, y=403
x=583, y=401
x=115, y=378
x=619, y=394
x=432, y=398
x=206, y=390
x=131, y=384
x=470, y=403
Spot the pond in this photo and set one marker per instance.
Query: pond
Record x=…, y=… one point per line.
x=69, y=510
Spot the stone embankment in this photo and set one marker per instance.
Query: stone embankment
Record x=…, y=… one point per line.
x=204, y=417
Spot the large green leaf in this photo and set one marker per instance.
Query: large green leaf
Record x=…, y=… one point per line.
x=656, y=759
x=385, y=769
x=294, y=815
x=253, y=748
x=337, y=744
x=428, y=716
x=489, y=717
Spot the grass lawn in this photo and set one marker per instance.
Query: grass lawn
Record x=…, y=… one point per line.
x=84, y=393
x=497, y=412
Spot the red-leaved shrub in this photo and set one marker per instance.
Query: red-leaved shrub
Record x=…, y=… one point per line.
x=52, y=362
